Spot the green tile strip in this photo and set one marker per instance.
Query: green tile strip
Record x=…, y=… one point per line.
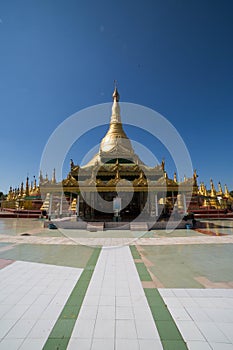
x=143, y=272
x=135, y=252
x=62, y=330
x=169, y=333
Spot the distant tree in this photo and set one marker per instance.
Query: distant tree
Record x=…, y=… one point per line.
x=231, y=193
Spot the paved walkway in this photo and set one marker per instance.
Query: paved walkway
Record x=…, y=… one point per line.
x=111, y=241
x=115, y=313
x=118, y=311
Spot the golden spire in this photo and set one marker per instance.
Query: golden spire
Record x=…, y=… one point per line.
x=226, y=192
x=21, y=190
x=213, y=191
x=115, y=139
x=9, y=196
x=195, y=176
x=34, y=185
x=116, y=115
x=41, y=179
x=201, y=189
x=115, y=95
x=175, y=177
x=27, y=187
x=163, y=164
x=220, y=189
x=54, y=177
x=205, y=191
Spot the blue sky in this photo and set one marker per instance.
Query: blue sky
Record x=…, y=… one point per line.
x=58, y=57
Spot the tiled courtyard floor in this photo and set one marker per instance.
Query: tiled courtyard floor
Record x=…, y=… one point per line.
x=155, y=292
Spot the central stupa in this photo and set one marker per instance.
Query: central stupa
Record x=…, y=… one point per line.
x=115, y=145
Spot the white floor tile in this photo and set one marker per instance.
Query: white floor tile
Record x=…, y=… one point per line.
x=41, y=329
x=83, y=328
x=122, y=292
x=189, y=331
x=127, y=344
x=20, y=329
x=35, y=344
x=150, y=344
x=226, y=329
x=198, y=345
x=88, y=312
x=124, y=313
x=92, y=300
x=10, y=344
x=104, y=329
x=5, y=326
x=126, y=329
x=33, y=312
x=212, y=332
x=221, y=346
x=172, y=302
x=188, y=302
x=146, y=330
x=180, y=314
x=142, y=313
x=195, y=292
x=16, y=312
x=180, y=292
x=4, y=309
x=106, y=313
x=123, y=301
x=166, y=292
x=197, y=314
x=107, y=300
x=102, y=344
x=51, y=312
x=79, y=344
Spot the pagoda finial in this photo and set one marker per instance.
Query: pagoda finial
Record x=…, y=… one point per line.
x=212, y=188
x=226, y=191
x=115, y=95
x=21, y=190
x=220, y=188
x=54, y=176
x=116, y=117
x=34, y=184
x=41, y=179
x=163, y=164
x=27, y=187
x=195, y=176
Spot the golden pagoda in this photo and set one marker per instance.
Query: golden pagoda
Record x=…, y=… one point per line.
x=117, y=172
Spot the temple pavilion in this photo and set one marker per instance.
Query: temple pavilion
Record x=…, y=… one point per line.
x=117, y=185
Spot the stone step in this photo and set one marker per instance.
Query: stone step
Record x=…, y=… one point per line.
x=138, y=226
x=95, y=226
